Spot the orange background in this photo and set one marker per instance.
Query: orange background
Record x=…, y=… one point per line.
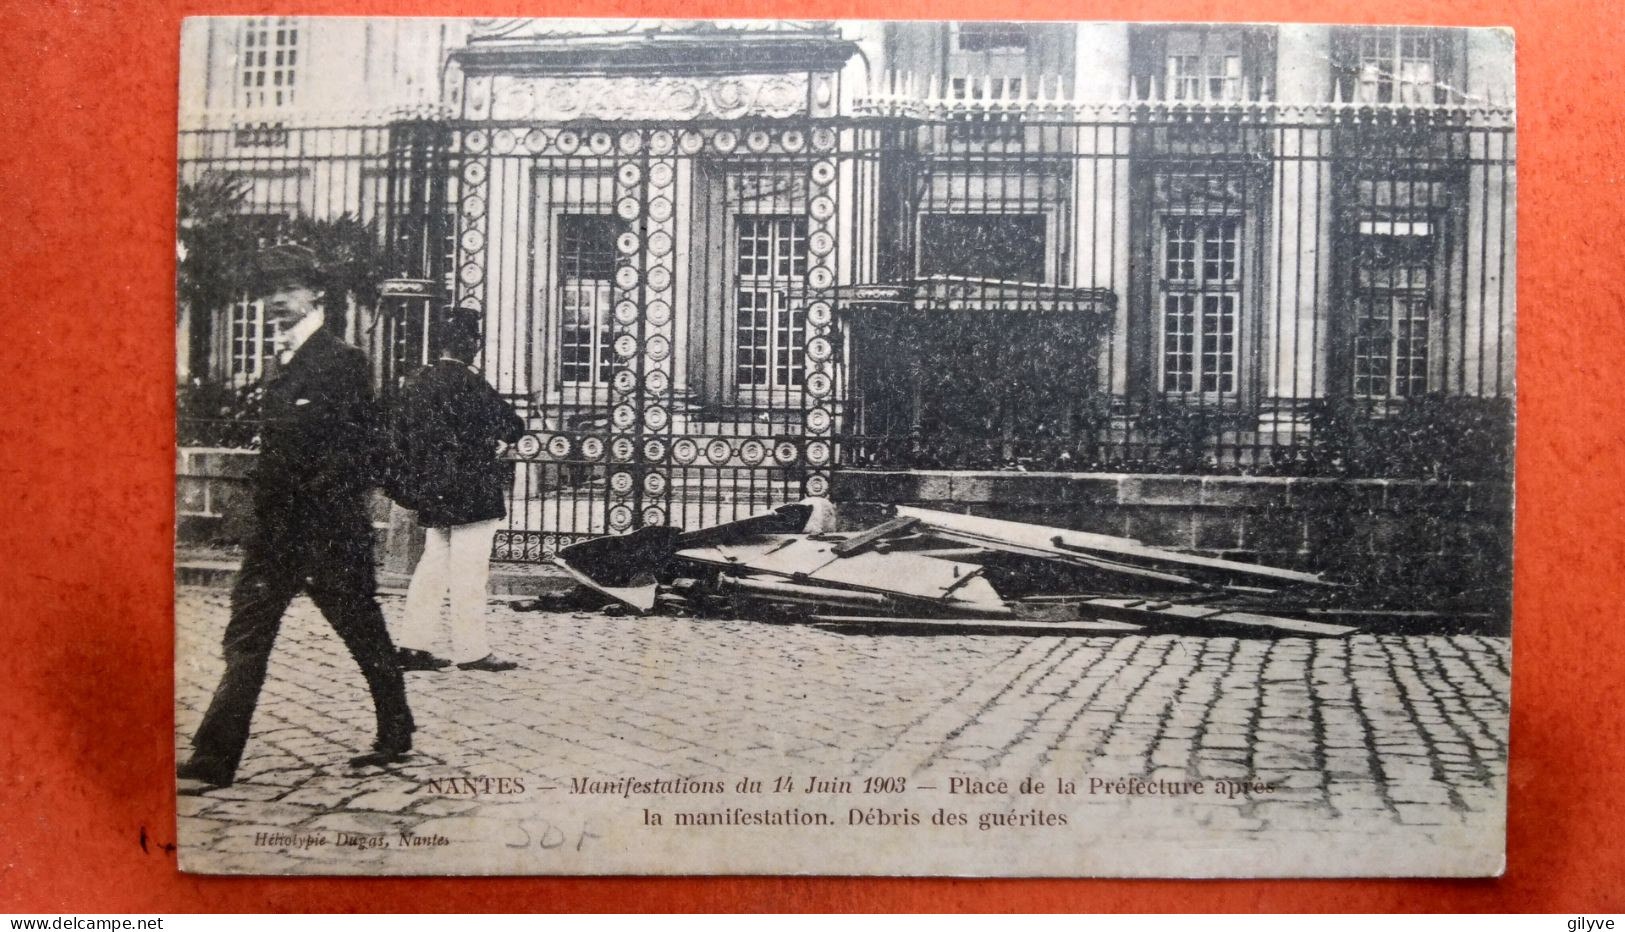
x=87, y=154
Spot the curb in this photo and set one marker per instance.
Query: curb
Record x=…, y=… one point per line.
x=506, y=579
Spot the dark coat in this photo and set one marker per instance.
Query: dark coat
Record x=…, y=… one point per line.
x=446, y=430
x=321, y=444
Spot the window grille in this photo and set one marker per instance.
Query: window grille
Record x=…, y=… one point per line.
x=1394, y=268
x=1393, y=296
x=1204, y=66
x=268, y=62
x=586, y=264
x=253, y=339
x=770, y=334
x=1397, y=66
x=1201, y=304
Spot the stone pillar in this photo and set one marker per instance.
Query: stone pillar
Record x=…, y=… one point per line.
x=1487, y=348
x=863, y=74
x=1297, y=296
x=1101, y=206
x=1102, y=65
x=1303, y=64
x=196, y=58
x=1490, y=64
x=1484, y=339
x=224, y=44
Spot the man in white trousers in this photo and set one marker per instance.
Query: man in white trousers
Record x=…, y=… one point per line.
x=450, y=428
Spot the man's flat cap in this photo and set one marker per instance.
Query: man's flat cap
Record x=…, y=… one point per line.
x=286, y=264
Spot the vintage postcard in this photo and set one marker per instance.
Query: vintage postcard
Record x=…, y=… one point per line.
x=917, y=448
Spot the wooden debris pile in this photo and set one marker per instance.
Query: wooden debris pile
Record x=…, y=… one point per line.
x=935, y=570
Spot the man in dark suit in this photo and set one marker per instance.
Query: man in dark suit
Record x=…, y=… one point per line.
x=320, y=452
x=450, y=427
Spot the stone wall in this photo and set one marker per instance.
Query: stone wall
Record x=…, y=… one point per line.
x=214, y=507
x=1399, y=541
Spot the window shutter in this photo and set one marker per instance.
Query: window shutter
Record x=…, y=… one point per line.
x=1345, y=49
x=1148, y=53
x=1258, y=60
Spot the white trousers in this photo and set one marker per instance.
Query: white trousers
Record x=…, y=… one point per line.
x=456, y=560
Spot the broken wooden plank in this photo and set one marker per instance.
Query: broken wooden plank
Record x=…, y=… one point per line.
x=1395, y=614
x=939, y=583
x=1062, y=543
x=976, y=625
x=1081, y=560
x=961, y=582
x=639, y=597
x=624, y=567
x=972, y=554
x=1207, y=617
x=1000, y=528
x=1296, y=625
x=780, y=589
x=863, y=539
x=785, y=519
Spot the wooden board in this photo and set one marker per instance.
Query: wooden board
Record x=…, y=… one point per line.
x=1042, y=540
x=942, y=583
x=786, y=519
x=639, y=598
x=862, y=539
x=1221, y=621
x=622, y=567
x=775, y=589
x=981, y=624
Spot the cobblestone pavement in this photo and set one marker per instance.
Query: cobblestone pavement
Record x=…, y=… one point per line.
x=1397, y=740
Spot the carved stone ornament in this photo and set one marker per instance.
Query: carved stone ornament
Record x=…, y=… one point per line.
x=642, y=98
x=518, y=28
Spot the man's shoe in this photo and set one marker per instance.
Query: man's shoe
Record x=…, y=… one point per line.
x=203, y=775
x=413, y=659
x=384, y=754
x=489, y=664
x=379, y=758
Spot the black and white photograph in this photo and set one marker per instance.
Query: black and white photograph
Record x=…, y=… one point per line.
x=843, y=447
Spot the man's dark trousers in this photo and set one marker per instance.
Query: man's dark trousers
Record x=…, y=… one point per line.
x=317, y=460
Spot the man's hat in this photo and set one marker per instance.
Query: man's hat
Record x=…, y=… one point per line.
x=461, y=334
x=286, y=264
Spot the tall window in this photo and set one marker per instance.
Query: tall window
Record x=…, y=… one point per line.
x=253, y=339
x=989, y=57
x=1394, y=264
x=1201, y=303
x=1204, y=65
x=990, y=37
x=1397, y=65
x=1393, y=296
x=586, y=264
x=770, y=332
x=268, y=62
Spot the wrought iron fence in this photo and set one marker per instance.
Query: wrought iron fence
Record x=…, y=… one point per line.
x=1313, y=290
x=700, y=320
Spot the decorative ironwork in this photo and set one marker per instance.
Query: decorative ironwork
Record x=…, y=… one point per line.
x=261, y=136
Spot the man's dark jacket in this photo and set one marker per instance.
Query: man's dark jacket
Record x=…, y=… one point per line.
x=446, y=430
x=322, y=442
